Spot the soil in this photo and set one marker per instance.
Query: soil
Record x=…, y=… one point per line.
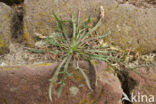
x=19, y=55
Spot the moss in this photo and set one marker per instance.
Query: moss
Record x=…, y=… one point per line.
x=27, y=37
x=1, y=43
x=3, y=48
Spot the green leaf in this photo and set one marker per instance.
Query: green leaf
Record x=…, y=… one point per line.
x=36, y=50
x=55, y=51
x=96, y=38
x=99, y=51
x=100, y=59
x=84, y=27
x=86, y=78
x=52, y=42
x=90, y=31
x=54, y=77
x=88, y=21
x=61, y=27
x=74, y=27
x=63, y=77
x=74, y=63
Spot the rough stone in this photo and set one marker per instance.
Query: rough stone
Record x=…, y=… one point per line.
x=132, y=27
x=145, y=84
x=140, y=3
x=6, y=14
x=29, y=85
x=139, y=83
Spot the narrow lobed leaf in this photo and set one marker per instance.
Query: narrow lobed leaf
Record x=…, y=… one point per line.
x=64, y=75
x=83, y=37
x=54, y=77
x=61, y=27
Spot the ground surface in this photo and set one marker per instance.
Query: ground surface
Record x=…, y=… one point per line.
x=19, y=55
x=140, y=3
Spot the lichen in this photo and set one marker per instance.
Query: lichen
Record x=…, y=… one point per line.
x=5, y=17
x=108, y=69
x=76, y=76
x=73, y=90
x=45, y=64
x=88, y=100
x=9, y=68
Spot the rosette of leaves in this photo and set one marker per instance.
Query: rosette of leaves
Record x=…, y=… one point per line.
x=76, y=47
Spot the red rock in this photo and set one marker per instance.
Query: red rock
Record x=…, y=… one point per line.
x=29, y=85
x=141, y=83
